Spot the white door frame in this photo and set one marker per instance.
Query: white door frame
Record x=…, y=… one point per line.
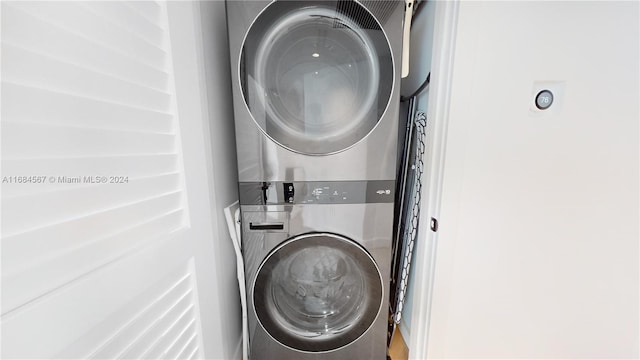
x=437, y=120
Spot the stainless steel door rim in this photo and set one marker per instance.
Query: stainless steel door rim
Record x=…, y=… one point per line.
x=316, y=78
x=317, y=292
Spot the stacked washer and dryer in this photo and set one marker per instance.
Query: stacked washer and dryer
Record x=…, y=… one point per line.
x=316, y=97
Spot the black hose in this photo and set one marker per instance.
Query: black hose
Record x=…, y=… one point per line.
x=419, y=91
x=416, y=10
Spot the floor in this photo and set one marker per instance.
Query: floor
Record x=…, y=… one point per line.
x=398, y=349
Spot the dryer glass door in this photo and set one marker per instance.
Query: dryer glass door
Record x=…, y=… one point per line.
x=317, y=292
x=316, y=76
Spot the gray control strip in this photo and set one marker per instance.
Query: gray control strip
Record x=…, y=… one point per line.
x=316, y=192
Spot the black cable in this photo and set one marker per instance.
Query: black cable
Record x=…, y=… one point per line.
x=419, y=91
x=416, y=10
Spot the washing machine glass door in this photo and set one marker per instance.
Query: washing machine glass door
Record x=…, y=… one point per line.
x=316, y=76
x=317, y=292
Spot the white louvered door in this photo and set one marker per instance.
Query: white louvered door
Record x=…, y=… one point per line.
x=95, y=270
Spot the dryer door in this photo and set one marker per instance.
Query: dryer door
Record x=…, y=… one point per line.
x=316, y=76
x=317, y=292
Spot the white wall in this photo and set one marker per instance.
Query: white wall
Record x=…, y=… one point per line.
x=199, y=39
x=538, y=243
x=223, y=163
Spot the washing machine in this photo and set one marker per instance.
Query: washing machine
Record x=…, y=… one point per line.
x=317, y=274
x=316, y=97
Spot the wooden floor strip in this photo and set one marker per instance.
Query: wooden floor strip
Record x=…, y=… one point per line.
x=398, y=349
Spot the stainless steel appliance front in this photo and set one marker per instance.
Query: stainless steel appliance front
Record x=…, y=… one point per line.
x=319, y=289
x=315, y=86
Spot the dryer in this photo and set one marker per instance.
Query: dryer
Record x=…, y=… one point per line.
x=316, y=88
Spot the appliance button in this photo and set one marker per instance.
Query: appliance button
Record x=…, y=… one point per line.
x=289, y=192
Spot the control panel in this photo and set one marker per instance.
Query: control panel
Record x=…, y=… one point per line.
x=312, y=192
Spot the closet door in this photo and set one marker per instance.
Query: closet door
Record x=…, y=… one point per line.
x=99, y=235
